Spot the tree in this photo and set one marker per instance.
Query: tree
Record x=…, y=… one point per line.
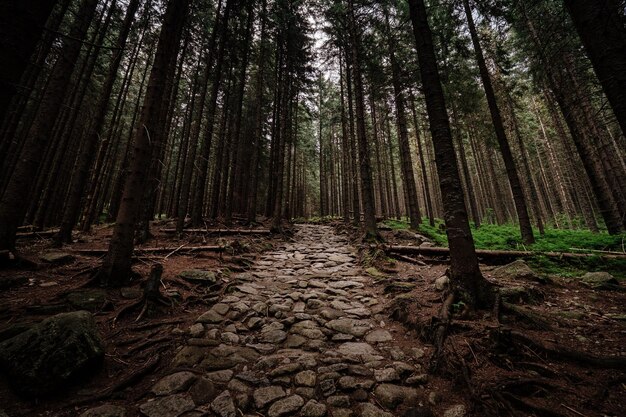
x=13, y=205
x=466, y=280
x=600, y=25
x=116, y=269
x=498, y=125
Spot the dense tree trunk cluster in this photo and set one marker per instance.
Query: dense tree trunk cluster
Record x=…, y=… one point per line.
x=272, y=110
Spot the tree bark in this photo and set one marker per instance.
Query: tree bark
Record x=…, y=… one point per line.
x=116, y=269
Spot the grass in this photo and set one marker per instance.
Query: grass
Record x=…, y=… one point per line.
x=507, y=237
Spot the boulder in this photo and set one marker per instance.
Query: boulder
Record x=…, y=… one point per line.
x=518, y=270
x=599, y=280
x=52, y=354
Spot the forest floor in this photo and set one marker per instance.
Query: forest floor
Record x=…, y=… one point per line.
x=316, y=324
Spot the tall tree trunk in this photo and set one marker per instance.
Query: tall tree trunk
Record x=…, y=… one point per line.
x=13, y=204
x=79, y=180
x=465, y=276
x=600, y=25
x=21, y=25
x=516, y=187
x=367, y=188
x=116, y=269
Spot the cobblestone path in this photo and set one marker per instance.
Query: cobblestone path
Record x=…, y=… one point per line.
x=302, y=333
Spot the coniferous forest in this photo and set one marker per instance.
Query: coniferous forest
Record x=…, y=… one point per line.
x=314, y=208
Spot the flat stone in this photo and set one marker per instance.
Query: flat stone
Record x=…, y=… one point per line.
x=220, y=376
x=199, y=276
x=306, y=378
x=106, y=410
x=221, y=308
x=285, y=369
x=286, y=406
x=378, y=336
x=171, y=406
x=356, y=348
x=350, y=326
x=386, y=375
x=230, y=337
x=223, y=405
x=417, y=379
x=338, y=401
x=56, y=257
x=211, y=316
x=273, y=336
x=313, y=409
x=173, y=383
x=202, y=391
x=391, y=395
x=266, y=395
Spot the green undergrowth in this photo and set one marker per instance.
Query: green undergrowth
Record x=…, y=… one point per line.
x=507, y=237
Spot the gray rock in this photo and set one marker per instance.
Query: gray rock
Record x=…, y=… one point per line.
x=221, y=308
x=55, y=257
x=386, y=375
x=273, y=336
x=378, y=336
x=106, y=410
x=349, y=326
x=211, y=316
x=266, y=395
x=173, y=383
x=598, y=280
x=417, y=379
x=52, y=354
x=354, y=348
x=442, y=283
x=198, y=276
x=458, y=410
x=202, y=391
x=306, y=378
x=370, y=410
x=223, y=405
x=313, y=409
x=220, y=376
x=286, y=406
x=338, y=401
x=285, y=369
x=518, y=270
x=391, y=395
x=172, y=406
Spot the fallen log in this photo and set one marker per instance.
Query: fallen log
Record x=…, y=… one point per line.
x=138, y=251
x=41, y=233
x=222, y=231
x=496, y=254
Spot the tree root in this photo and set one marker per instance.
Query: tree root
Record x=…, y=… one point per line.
x=151, y=295
x=508, y=338
x=527, y=316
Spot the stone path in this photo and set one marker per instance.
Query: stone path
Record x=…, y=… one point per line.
x=303, y=333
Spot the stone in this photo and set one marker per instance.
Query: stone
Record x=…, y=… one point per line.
x=386, y=375
x=267, y=395
x=286, y=406
x=306, y=378
x=342, y=412
x=223, y=405
x=417, y=379
x=198, y=276
x=338, y=401
x=221, y=308
x=189, y=356
x=289, y=368
x=598, y=280
x=273, y=336
x=171, y=406
x=220, y=376
x=106, y=410
x=442, y=283
x=370, y=410
x=518, y=270
x=458, y=410
x=313, y=409
x=327, y=387
x=53, y=354
x=378, y=336
x=211, y=317
x=356, y=348
x=196, y=330
x=230, y=337
x=202, y=391
x=349, y=326
x=295, y=341
x=173, y=383
x=57, y=258
x=391, y=396
x=314, y=303
x=92, y=299
x=418, y=353
x=433, y=398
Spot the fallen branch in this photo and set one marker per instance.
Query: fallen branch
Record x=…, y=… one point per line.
x=495, y=254
x=42, y=233
x=222, y=231
x=407, y=259
x=138, y=251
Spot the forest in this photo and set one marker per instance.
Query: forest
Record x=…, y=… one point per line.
x=314, y=208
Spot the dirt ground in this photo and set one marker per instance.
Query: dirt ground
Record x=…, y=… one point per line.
x=558, y=349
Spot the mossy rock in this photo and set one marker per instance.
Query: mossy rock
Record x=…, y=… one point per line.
x=519, y=270
x=599, y=280
x=399, y=286
x=373, y=272
x=89, y=299
x=521, y=294
x=53, y=354
x=199, y=276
